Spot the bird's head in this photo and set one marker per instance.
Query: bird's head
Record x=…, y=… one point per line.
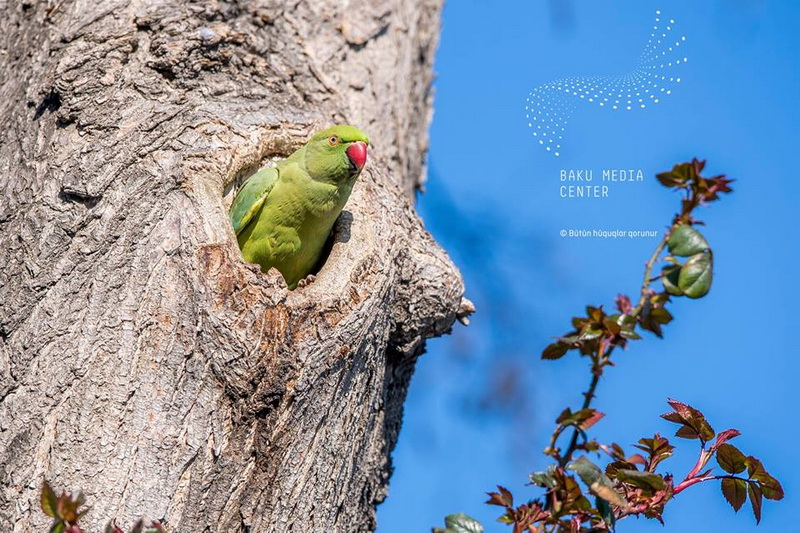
x=337, y=154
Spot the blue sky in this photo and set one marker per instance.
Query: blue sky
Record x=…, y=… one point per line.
x=493, y=202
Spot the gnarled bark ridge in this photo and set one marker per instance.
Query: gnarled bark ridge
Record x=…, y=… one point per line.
x=141, y=360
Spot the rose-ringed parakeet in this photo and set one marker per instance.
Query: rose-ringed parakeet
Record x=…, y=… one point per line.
x=282, y=216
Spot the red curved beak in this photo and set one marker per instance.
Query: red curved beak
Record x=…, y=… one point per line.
x=357, y=154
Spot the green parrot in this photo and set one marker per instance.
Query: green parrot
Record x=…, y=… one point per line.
x=282, y=216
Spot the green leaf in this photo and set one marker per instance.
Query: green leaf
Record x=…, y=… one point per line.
x=611, y=323
x=48, y=500
x=589, y=334
x=589, y=446
x=644, y=480
x=608, y=493
x=461, y=523
x=606, y=512
x=687, y=432
x=543, y=479
x=627, y=321
x=661, y=315
x=730, y=459
x=579, y=321
x=685, y=241
x=586, y=470
x=565, y=415
x=597, y=481
x=557, y=350
x=696, y=275
x=735, y=491
x=57, y=527
x=772, y=489
x=669, y=278
x=627, y=324
x=755, y=500
x=621, y=464
x=630, y=335
x=595, y=313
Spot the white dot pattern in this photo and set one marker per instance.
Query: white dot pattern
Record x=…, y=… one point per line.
x=549, y=107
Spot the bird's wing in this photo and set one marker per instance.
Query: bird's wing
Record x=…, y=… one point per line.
x=250, y=198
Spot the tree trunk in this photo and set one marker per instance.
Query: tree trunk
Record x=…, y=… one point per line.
x=141, y=360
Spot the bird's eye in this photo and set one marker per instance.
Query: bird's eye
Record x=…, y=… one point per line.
x=333, y=140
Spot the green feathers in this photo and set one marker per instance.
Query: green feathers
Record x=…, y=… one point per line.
x=282, y=216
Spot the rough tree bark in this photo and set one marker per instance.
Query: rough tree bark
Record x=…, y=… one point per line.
x=141, y=360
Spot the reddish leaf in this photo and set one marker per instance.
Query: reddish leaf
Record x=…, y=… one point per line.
x=624, y=304
x=507, y=497
x=735, y=491
x=637, y=459
x=617, y=452
x=658, y=448
x=494, y=499
x=585, y=418
x=67, y=508
x=679, y=176
x=770, y=486
x=695, y=425
x=723, y=437
x=501, y=499
x=673, y=417
x=755, y=500
x=112, y=527
x=592, y=420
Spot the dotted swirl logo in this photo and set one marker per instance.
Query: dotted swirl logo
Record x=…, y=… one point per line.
x=550, y=106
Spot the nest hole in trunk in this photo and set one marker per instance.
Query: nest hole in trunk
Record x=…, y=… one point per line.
x=277, y=148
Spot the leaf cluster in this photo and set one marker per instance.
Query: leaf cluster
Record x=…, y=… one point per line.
x=632, y=485
x=736, y=487
x=67, y=511
x=580, y=495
